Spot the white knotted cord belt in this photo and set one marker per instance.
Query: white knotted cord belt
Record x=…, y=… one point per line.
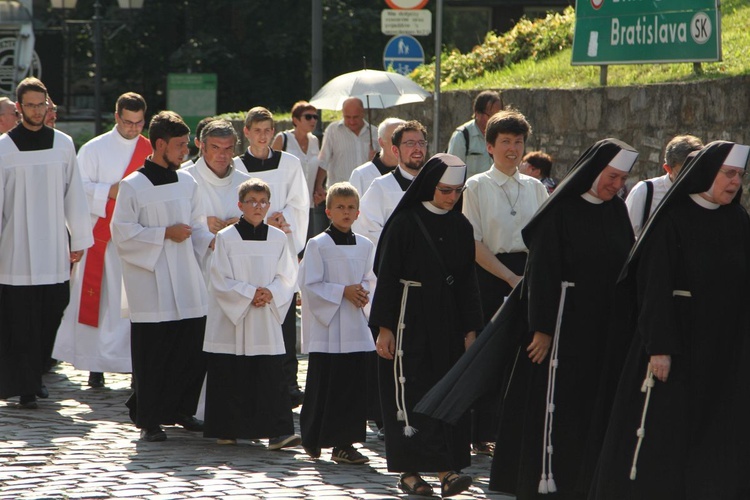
x=398, y=363
x=648, y=385
x=547, y=482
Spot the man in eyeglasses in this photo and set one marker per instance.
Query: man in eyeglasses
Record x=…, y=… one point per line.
x=8, y=115
x=41, y=198
x=467, y=141
x=384, y=161
x=93, y=335
x=409, y=145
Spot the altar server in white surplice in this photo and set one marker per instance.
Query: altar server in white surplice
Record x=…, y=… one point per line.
x=93, y=335
x=40, y=194
x=217, y=179
x=160, y=232
x=409, y=145
x=290, y=211
x=336, y=279
x=252, y=279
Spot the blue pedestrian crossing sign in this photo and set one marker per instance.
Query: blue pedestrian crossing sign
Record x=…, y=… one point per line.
x=403, y=53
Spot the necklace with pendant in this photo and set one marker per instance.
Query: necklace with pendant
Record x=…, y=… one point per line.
x=518, y=194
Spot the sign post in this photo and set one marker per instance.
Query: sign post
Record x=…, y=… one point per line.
x=632, y=32
x=404, y=53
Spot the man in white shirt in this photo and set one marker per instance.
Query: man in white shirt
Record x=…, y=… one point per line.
x=347, y=143
x=499, y=203
x=646, y=195
x=41, y=199
x=474, y=152
x=410, y=147
x=289, y=211
x=160, y=233
x=93, y=335
x=384, y=161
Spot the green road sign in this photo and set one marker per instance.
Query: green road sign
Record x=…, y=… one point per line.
x=646, y=31
x=192, y=96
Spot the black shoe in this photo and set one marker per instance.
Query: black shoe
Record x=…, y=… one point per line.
x=153, y=435
x=96, y=380
x=296, y=396
x=43, y=393
x=189, y=423
x=381, y=434
x=29, y=402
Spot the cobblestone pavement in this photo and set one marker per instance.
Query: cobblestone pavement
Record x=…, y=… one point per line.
x=80, y=444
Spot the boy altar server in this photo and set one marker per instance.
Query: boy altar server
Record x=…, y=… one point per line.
x=251, y=284
x=336, y=278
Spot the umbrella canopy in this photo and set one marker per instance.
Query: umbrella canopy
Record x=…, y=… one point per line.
x=376, y=89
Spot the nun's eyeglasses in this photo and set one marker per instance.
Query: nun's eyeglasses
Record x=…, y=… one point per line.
x=447, y=191
x=732, y=172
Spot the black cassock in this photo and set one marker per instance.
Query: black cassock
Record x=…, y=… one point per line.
x=585, y=244
x=437, y=317
x=695, y=444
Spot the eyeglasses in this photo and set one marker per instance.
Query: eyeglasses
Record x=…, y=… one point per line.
x=411, y=144
x=35, y=107
x=53, y=108
x=311, y=116
x=256, y=204
x=731, y=173
x=128, y=123
x=446, y=191
x=14, y=113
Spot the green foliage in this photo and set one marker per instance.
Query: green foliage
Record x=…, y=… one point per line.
x=553, y=70
x=528, y=39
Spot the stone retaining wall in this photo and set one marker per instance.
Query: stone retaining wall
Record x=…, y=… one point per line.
x=566, y=122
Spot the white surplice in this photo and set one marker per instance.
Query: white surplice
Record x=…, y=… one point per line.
x=162, y=278
x=238, y=269
x=330, y=323
x=106, y=348
x=362, y=177
x=41, y=194
x=289, y=195
x=378, y=204
x=218, y=196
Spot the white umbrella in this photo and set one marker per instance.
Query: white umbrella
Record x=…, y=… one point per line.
x=376, y=89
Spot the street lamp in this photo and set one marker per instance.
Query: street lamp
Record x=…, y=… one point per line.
x=97, y=20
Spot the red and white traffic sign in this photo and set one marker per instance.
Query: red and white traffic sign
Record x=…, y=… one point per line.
x=406, y=4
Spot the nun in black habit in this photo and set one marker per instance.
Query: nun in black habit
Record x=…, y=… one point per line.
x=554, y=414
x=426, y=309
x=678, y=429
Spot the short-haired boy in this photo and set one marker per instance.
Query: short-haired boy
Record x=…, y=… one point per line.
x=251, y=284
x=336, y=279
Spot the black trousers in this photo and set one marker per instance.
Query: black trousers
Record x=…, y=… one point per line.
x=29, y=319
x=289, y=331
x=169, y=366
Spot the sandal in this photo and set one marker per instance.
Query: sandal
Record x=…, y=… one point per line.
x=420, y=488
x=454, y=483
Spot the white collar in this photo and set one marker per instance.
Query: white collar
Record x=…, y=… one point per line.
x=591, y=198
x=202, y=167
x=702, y=202
x=432, y=208
x=406, y=174
x=270, y=153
